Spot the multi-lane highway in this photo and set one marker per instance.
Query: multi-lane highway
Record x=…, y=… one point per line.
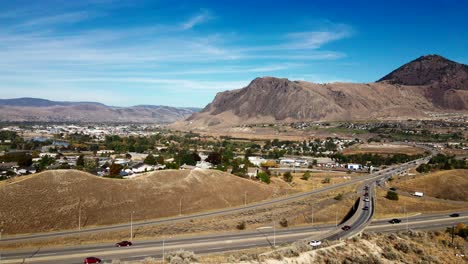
x=388, y=172
x=222, y=242
x=217, y=243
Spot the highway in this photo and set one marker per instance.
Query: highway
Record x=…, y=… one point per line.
x=217, y=243
x=223, y=242
x=386, y=173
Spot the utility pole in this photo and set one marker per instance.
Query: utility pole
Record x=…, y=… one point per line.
x=312, y=206
x=274, y=233
x=180, y=206
x=453, y=233
x=336, y=218
x=131, y=225
x=406, y=215
x=1, y=231
x=79, y=215
x=164, y=252
x=245, y=198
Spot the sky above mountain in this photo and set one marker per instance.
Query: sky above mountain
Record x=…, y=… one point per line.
x=181, y=53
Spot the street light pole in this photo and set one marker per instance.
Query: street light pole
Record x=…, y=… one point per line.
x=164, y=255
x=180, y=206
x=79, y=216
x=274, y=233
x=406, y=215
x=131, y=225
x=312, y=206
x=336, y=218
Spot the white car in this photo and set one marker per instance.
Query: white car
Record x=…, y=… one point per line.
x=315, y=243
x=366, y=199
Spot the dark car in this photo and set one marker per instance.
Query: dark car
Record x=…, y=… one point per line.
x=455, y=215
x=123, y=244
x=394, y=221
x=346, y=228
x=365, y=208
x=90, y=260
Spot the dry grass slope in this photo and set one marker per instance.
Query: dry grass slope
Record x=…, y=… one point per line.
x=50, y=200
x=450, y=185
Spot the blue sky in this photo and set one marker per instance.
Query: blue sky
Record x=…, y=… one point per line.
x=181, y=53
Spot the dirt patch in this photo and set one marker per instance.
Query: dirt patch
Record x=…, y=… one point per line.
x=383, y=148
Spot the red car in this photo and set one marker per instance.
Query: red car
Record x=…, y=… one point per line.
x=123, y=244
x=346, y=228
x=90, y=260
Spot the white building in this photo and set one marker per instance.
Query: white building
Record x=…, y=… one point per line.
x=257, y=161
x=203, y=165
x=351, y=166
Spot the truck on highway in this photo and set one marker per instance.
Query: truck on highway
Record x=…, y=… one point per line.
x=418, y=194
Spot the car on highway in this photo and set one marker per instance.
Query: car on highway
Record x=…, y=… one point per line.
x=366, y=199
x=455, y=215
x=315, y=243
x=123, y=244
x=90, y=260
x=394, y=221
x=365, y=208
x=346, y=228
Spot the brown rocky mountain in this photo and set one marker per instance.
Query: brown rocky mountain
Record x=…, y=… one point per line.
x=428, y=84
x=447, y=80
x=41, y=110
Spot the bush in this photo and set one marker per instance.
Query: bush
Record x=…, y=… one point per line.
x=264, y=177
x=181, y=257
x=339, y=197
x=390, y=254
x=284, y=222
x=391, y=195
x=402, y=246
x=326, y=180
x=241, y=225
x=306, y=176
x=287, y=177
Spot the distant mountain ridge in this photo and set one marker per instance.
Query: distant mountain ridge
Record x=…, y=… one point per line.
x=428, y=84
x=43, y=110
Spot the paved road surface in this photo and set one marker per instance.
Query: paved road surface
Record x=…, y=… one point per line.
x=375, y=176
x=216, y=243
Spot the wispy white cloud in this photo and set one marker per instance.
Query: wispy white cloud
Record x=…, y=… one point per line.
x=316, y=39
x=65, y=18
x=199, y=18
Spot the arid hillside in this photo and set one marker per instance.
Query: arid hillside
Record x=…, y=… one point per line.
x=51, y=200
x=449, y=184
x=428, y=84
x=41, y=110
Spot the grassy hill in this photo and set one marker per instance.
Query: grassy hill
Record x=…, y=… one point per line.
x=51, y=200
x=449, y=184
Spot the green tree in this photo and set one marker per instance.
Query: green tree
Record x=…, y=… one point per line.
x=287, y=177
x=80, y=161
x=160, y=159
x=115, y=169
x=391, y=195
x=264, y=177
x=306, y=176
x=214, y=158
x=150, y=160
